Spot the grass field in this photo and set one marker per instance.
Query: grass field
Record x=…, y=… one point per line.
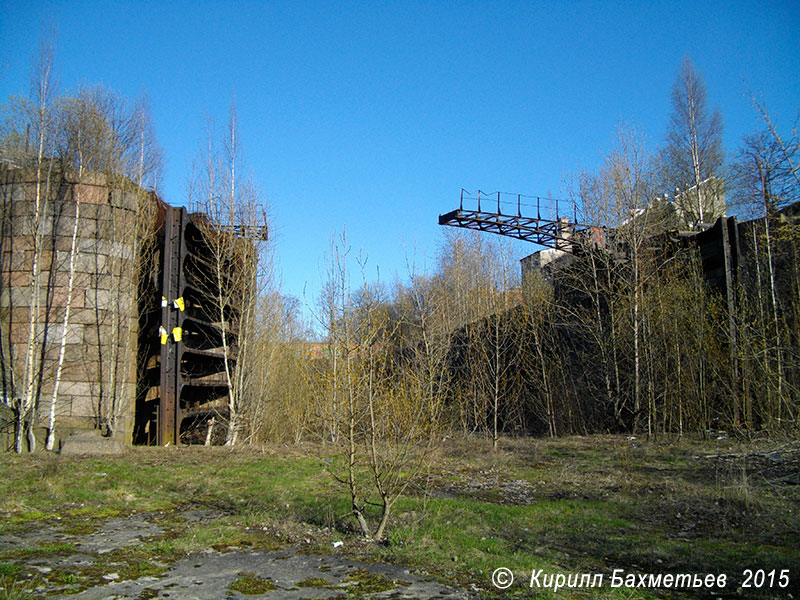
x=573, y=506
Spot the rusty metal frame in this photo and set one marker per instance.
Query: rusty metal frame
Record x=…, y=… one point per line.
x=190, y=382
x=190, y=378
x=561, y=234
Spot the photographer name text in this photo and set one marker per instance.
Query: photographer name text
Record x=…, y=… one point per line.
x=503, y=578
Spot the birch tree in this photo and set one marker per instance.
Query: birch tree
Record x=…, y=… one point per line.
x=24, y=388
x=693, y=152
x=73, y=250
x=235, y=220
x=63, y=137
x=101, y=133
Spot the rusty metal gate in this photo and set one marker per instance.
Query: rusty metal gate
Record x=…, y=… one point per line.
x=185, y=382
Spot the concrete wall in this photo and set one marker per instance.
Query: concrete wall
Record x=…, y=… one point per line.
x=98, y=380
x=545, y=262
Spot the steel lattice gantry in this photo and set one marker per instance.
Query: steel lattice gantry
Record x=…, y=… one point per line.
x=552, y=230
x=561, y=234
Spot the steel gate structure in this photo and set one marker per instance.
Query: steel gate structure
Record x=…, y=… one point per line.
x=186, y=361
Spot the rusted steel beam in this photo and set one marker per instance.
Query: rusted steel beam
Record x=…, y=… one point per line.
x=561, y=233
x=172, y=263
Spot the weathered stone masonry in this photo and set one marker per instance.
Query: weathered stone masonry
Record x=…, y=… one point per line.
x=99, y=371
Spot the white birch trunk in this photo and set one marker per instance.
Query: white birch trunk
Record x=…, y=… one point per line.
x=50, y=442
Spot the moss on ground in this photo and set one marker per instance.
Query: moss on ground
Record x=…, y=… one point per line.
x=361, y=582
x=252, y=584
x=313, y=582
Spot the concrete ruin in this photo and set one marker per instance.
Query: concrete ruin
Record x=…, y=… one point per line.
x=97, y=351
x=140, y=355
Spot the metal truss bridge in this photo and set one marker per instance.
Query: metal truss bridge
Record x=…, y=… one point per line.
x=554, y=226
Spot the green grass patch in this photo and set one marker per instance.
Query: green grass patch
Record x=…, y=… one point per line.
x=65, y=578
x=41, y=549
x=567, y=505
x=94, y=512
x=12, y=588
x=34, y=516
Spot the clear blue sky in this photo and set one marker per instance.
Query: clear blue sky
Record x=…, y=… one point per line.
x=373, y=115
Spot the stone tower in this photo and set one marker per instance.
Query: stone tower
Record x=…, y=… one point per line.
x=99, y=341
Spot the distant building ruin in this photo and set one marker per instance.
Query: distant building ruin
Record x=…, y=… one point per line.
x=750, y=315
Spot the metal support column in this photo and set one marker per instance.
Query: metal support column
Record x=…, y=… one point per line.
x=168, y=418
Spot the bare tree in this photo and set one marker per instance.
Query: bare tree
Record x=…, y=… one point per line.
x=281, y=408
x=423, y=342
x=384, y=428
x=787, y=166
x=624, y=189
x=41, y=102
x=147, y=160
x=693, y=152
x=543, y=356
x=767, y=179
x=234, y=220
x=498, y=348
x=464, y=282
